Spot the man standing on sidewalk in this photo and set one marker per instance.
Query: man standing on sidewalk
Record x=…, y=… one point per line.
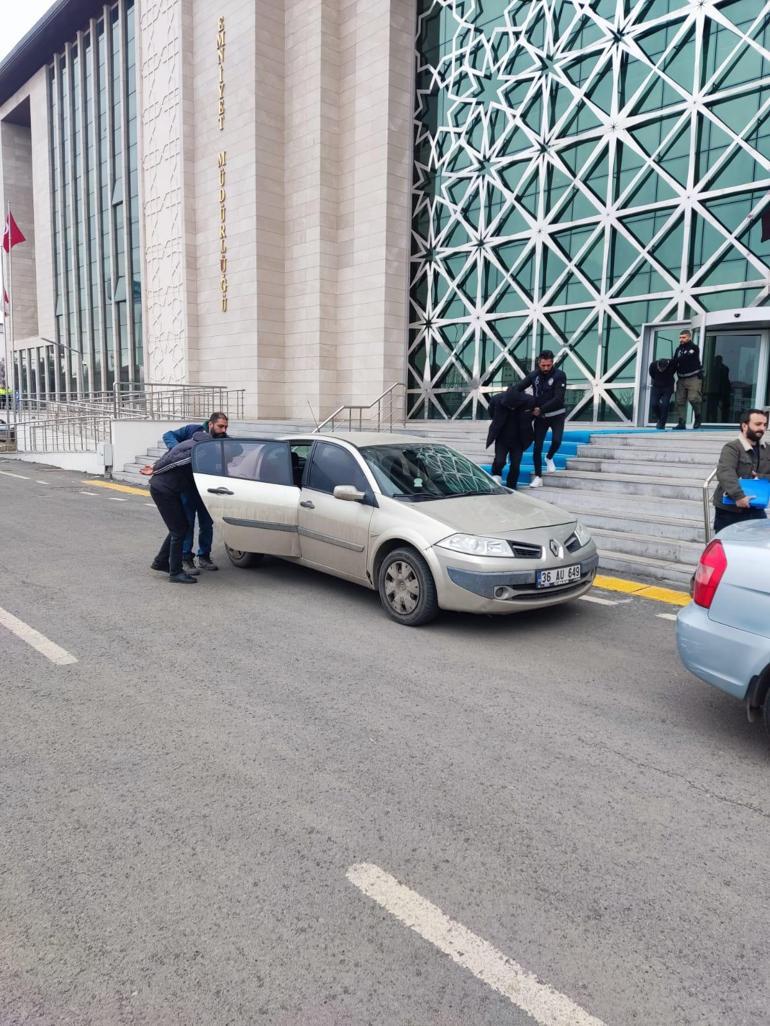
x=748, y=456
x=548, y=387
x=689, y=373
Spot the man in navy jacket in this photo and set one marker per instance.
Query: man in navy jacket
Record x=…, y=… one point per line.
x=216, y=426
x=548, y=387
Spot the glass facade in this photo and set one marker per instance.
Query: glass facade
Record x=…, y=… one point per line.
x=95, y=214
x=582, y=168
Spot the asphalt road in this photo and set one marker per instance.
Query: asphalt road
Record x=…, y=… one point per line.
x=179, y=809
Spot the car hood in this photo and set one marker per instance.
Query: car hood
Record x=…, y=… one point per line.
x=494, y=514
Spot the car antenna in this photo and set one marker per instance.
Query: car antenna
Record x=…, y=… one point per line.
x=315, y=421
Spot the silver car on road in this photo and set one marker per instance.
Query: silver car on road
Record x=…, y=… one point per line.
x=413, y=519
x=723, y=635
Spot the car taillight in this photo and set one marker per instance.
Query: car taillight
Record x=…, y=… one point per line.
x=711, y=568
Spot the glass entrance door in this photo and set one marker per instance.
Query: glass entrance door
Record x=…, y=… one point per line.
x=732, y=363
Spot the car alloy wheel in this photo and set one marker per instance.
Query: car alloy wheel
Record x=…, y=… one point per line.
x=242, y=559
x=407, y=589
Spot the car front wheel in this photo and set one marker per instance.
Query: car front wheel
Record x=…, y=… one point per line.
x=243, y=559
x=407, y=589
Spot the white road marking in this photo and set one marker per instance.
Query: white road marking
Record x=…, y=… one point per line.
x=150, y=504
x=599, y=601
x=114, y=498
x=546, y=1006
x=7, y=473
x=38, y=641
x=95, y=494
x=40, y=482
x=666, y=616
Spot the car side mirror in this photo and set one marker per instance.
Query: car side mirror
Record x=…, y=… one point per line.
x=349, y=493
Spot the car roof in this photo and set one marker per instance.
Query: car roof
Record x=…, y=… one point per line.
x=359, y=439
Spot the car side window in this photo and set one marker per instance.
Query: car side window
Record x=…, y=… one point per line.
x=265, y=461
x=207, y=459
x=331, y=465
x=299, y=454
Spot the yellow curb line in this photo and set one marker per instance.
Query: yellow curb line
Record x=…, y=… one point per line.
x=117, y=487
x=667, y=595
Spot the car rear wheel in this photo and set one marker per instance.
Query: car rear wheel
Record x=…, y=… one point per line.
x=407, y=589
x=243, y=559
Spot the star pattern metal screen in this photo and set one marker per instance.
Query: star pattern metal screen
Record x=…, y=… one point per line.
x=580, y=169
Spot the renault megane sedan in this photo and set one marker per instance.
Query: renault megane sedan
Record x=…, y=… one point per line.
x=412, y=519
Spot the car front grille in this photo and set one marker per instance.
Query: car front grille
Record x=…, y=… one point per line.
x=523, y=550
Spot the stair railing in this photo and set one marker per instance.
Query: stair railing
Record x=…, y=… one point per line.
x=707, y=505
x=383, y=406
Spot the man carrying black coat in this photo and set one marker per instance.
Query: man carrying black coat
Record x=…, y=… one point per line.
x=171, y=478
x=510, y=430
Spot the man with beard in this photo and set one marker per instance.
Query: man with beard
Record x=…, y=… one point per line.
x=747, y=456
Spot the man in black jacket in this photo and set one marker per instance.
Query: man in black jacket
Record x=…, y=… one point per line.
x=662, y=375
x=171, y=477
x=689, y=373
x=548, y=387
x=510, y=430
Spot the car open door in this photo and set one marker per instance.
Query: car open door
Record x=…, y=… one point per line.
x=248, y=488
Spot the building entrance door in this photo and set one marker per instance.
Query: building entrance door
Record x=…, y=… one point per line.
x=734, y=374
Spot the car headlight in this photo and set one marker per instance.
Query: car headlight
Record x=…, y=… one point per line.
x=582, y=534
x=472, y=545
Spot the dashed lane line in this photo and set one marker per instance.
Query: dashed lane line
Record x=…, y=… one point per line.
x=523, y=989
x=597, y=600
x=21, y=477
x=53, y=652
x=639, y=590
x=40, y=482
x=114, y=498
x=129, y=489
x=666, y=616
x=94, y=494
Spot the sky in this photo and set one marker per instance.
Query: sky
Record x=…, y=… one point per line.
x=18, y=19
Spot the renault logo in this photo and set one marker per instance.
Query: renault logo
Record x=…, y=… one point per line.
x=555, y=548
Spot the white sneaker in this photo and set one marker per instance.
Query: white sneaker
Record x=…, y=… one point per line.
x=497, y=479
x=550, y=466
x=536, y=482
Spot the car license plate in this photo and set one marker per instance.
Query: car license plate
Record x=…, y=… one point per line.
x=561, y=575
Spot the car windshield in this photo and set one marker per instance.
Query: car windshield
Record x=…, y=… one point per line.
x=417, y=472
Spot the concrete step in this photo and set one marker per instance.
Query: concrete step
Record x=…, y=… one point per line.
x=628, y=484
x=675, y=439
x=690, y=472
x=670, y=527
x=673, y=575
x=663, y=456
x=579, y=501
x=631, y=543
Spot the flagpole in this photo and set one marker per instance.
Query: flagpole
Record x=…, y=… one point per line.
x=9, y=369
x=10, y=312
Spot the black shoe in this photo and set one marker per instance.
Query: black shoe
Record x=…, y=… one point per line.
x=204, y=563
x=189, y=567
x=679, y=426
x=660, y=427
x=162, y=567
x=182, y=578
x=697, y=424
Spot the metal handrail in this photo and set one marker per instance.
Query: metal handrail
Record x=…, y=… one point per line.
x=707, y=504
x=361, y=409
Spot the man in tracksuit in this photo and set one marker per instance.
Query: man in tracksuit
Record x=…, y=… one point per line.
x=548, y=386
x=510, y=430
x=689, y=373
x=170, y=478
x=216, y=426
x=662, y=376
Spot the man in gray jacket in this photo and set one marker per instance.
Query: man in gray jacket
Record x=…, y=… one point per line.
x=747, y=456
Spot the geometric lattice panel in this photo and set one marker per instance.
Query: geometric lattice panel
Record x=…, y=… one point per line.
x=580, y=169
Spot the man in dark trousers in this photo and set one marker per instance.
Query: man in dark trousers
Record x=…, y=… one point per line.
x=548, y=387
x=510, y=430
x=689, y=384
x=216, y=426
x=170, y=478
x=662, y=376
x=747, y=456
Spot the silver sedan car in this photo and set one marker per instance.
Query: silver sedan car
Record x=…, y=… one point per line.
x=415, y=520
x=723, y=636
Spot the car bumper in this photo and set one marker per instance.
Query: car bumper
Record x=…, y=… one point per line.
x=468, y=587
x=725, y=657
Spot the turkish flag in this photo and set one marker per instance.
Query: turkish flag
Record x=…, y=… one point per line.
x=12, y=234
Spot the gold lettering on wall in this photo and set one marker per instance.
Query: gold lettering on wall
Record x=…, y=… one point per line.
x=222, y=164
x=221, y=70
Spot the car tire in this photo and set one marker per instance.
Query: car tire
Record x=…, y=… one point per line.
x=243, y=559
x=407, y=589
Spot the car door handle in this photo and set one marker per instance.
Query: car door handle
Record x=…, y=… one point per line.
x=307, y=504
x=220, y=491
